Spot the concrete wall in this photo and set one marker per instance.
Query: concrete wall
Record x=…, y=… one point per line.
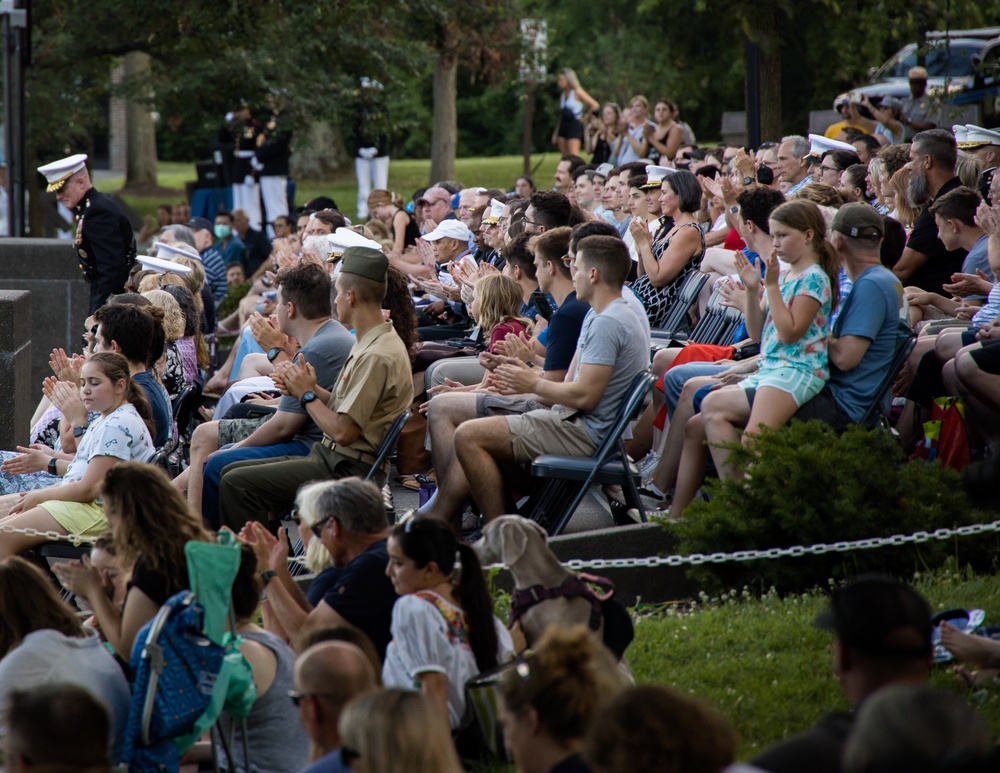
x=47, y=268
x=16, y=405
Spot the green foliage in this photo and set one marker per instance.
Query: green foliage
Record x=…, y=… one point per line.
x=806, y=485
x=763, y=663
x=234, y=294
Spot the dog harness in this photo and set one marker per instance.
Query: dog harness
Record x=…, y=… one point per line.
x=595, y=589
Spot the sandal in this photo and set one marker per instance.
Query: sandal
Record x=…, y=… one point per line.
x=409, y=482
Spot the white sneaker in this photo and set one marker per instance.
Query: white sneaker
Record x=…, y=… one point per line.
x=647, y=465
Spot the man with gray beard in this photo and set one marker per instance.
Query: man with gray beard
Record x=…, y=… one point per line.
x=925, y=262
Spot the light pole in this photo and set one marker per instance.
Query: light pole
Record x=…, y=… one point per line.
x=14, y=24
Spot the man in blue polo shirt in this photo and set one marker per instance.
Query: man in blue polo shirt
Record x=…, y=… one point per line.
x=865, y=335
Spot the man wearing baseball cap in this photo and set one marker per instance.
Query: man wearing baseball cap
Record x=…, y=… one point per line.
x=105, y=242
x=446, y=318
x=435, y=206
x=881, y=637
x=375, y=386
x=211, y=257
x=916, y=108
x=867, y=329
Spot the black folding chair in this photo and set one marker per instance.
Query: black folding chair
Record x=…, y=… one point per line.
x=568, y=478
x=876, y=415
x=388, y=446
x=674, y=325
x=185, y=407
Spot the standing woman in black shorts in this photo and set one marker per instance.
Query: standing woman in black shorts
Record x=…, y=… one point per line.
x=574, y=102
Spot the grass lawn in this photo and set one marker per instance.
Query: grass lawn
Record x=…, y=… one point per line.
x=405, y=176
x=763, y=663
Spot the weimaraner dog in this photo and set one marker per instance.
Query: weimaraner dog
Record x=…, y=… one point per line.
x=520, y=544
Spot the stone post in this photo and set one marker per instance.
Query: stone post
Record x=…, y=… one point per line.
x=16, y=402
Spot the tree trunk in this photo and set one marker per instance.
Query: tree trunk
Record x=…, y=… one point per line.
x=140, y=131
x=765, y=31
x=444, y=134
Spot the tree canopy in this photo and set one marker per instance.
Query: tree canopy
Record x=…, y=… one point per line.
x=207, y=57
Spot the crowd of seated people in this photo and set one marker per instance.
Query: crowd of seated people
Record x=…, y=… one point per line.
x=512, y=325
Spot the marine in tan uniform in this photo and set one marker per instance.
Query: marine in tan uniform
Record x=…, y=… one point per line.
x=375, y=387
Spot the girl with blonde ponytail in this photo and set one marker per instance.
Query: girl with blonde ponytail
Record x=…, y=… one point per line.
x=56, y=491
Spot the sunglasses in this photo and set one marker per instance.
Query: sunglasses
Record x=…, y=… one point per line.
x=298, y=697
x=317, y=528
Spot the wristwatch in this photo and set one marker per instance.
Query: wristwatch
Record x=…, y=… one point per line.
x=307, y=398
x=748, y=180
x=734, y=210
x=273, y=352
x=267, y=576
x=79, y=431
x=52, y=466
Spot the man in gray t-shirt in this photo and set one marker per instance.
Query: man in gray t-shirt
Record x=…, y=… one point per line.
x=610, y=353
x=303, y=312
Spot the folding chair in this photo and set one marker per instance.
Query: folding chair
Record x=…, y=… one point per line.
x=568, y=478
x=185, y=407
x=876, y=415
x=674, y=324
x=388, y=446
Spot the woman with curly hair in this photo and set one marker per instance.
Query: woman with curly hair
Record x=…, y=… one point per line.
x=549, y=698
x=151, y=523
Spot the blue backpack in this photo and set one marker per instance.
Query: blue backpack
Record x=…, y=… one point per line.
x=175, y=667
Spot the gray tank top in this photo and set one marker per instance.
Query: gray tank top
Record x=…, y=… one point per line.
x=278, y=742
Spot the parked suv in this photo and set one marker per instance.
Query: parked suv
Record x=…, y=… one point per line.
x=963, y=70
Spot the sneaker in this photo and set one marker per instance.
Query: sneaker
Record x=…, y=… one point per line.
x=647, y=466
x=470, y=522
x=406, y=516
x=662, y=516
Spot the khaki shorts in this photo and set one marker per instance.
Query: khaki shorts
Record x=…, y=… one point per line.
x=547, y=431
x=85, y=518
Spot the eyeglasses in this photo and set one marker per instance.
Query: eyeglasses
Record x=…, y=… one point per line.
x=567, y=260
x=297, y=697
x=317, y=528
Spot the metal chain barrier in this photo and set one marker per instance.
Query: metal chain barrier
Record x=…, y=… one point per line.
x=695, y=559
x=795, y=551
x=50, y=536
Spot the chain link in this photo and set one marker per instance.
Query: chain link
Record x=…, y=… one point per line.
x=50, y=536
x=794, y=551
x=695, y=559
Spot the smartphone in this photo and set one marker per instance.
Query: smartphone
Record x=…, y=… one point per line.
x=545, y=309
